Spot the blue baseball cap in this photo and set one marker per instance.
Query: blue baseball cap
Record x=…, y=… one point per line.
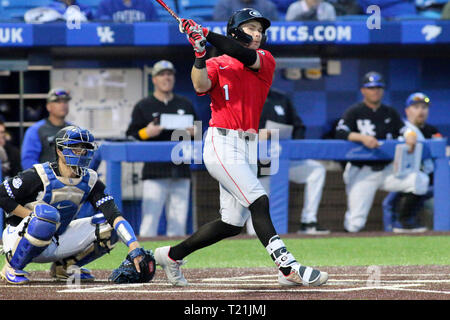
x=373, y=79
x=418, y=97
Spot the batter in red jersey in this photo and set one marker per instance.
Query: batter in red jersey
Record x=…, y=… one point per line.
x=237, y=82
x=238, y=92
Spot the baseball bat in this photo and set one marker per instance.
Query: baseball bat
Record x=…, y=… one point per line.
x=173, y=14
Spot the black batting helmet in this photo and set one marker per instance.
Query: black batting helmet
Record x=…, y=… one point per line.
x=241, y=16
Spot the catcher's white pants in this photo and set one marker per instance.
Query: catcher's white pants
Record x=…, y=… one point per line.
x=231, y=159
x=173, y=194
x=79, y=235
x=313, y=174
x=361, y=184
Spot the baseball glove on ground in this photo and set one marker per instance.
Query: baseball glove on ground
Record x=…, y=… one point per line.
x=127, y=273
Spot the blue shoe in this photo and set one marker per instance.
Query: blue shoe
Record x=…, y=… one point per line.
x=85, y=275
x=12, y=276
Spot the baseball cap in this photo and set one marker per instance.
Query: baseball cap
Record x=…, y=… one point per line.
x=58, y=94
x=418, y=97
x=373, y=79
x=161, y=66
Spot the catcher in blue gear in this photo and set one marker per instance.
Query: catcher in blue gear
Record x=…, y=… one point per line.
x=41, y=205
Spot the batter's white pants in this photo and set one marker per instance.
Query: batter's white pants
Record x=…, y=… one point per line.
x=79, y=235
x=173, y=194
x=362, y=183
x=232, y=161
x=313, y=174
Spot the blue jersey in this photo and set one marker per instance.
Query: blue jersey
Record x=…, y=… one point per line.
x=117, y=11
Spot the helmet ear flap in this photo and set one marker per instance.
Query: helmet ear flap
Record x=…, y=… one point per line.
x=241, y=16
x=239, y=35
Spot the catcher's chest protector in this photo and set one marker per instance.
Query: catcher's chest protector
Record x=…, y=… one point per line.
x=65, y=194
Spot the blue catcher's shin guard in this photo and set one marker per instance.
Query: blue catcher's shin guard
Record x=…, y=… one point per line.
x=36, y=235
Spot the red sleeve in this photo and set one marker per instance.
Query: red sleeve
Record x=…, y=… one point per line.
x=267, y=67
x=211, y=67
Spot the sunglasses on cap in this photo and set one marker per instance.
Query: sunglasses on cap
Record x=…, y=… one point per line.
x=59, y=94
x=418, y=98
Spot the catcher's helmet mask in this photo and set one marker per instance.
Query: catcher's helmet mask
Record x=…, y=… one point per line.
x=77, y=146
x=242, y=16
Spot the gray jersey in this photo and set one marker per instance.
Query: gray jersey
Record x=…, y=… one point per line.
x=37, y=145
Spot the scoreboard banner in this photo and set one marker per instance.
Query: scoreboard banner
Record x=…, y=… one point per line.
x=423, y=32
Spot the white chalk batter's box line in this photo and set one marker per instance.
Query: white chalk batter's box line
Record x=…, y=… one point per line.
x=213, y=283
x=201, y=286
x=270, y=281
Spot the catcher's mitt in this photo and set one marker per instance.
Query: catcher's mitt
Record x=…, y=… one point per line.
x=127, y=273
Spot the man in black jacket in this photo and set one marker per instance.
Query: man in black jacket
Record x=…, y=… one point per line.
x=164, y=184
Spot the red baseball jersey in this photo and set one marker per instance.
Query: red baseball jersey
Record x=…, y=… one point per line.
x=237, y=92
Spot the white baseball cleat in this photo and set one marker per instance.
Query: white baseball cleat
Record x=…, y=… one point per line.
x=301, y=275
x=170, y=266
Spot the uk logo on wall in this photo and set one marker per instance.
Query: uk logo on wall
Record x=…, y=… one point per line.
x=11, y=35
x=105, y=34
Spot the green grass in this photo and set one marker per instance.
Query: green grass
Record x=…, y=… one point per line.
x=351, y=251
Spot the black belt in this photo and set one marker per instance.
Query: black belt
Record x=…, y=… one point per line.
x=242, y=134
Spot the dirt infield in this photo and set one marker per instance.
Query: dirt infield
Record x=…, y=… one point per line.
x=242, y=285
x=345, y=283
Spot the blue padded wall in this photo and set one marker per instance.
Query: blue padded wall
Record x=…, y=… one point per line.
x=320, y=102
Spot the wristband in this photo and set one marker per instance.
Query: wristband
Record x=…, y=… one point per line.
x=143, y=134
x=200, y=63
x=125, y=232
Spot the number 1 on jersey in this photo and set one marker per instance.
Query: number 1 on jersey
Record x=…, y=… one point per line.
x=227, y=95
